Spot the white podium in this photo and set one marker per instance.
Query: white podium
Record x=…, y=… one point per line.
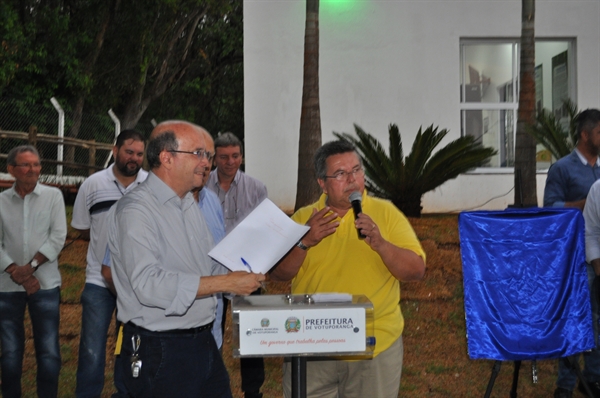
x=300, y=326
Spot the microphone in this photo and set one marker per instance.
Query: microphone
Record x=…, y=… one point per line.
x=356, y=200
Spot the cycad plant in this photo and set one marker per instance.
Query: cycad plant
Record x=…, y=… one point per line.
x=404, y=180
x=549, y=132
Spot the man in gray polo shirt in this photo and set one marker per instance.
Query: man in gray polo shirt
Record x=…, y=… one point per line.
x=239, y=193
x=165, y=281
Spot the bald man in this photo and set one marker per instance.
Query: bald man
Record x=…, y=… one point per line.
x=165, y=281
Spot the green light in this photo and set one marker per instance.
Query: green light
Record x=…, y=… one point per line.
x=341, y=12
x=337, y=3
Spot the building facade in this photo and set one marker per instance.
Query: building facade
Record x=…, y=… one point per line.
x=453, y=64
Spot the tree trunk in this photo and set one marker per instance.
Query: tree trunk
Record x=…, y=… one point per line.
x=74, y=130
x=149, y=89
x=88, y=71
x=135, y=107
x=307, y=189
x=525, y=143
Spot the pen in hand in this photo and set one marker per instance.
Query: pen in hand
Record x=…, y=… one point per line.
x=247, y=265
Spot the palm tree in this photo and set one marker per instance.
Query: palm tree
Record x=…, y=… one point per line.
x=549, y=131
x=525, y=167
x=402, y=180
x=307, y=189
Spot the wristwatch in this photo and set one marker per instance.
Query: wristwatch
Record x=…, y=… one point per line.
x=34, y=263
x=301, y=245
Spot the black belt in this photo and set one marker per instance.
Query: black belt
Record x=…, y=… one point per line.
x=172, y=331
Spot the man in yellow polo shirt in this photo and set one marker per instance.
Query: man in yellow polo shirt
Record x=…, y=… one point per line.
x=332, y=258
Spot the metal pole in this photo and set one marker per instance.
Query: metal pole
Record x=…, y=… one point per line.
x=298, y=377
x=61, y=134
x=495, y=371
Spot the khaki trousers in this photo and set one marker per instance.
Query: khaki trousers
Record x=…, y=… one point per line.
x=327, y=378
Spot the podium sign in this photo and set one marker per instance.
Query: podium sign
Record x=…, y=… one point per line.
x=282, y=325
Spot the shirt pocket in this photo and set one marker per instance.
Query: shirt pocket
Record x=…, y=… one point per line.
x=40, y=221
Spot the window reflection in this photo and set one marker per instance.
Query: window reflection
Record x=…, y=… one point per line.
x=489, y=91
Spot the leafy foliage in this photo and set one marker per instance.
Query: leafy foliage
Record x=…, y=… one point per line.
x=33, y=50
x=404, y=180
x=211, y=92
x=549, y=131
x=12, y=39
x=126, y=55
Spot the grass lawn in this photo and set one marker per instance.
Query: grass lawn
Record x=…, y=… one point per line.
x=436, y=363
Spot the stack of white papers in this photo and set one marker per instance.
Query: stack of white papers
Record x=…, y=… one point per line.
x=259, y=241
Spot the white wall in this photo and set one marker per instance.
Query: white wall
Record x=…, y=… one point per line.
x=386, y=61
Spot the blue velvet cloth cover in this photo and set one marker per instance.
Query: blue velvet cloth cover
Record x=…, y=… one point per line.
x=525, y=283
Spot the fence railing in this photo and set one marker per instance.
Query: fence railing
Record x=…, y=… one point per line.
x=82, y=150
x=32, y=137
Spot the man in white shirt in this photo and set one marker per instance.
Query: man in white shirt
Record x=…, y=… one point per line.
x=33, y=228
x=95, y=197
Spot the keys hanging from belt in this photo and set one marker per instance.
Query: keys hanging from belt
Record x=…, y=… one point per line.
x=136, y=362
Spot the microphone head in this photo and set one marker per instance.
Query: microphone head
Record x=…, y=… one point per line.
x=355, y=196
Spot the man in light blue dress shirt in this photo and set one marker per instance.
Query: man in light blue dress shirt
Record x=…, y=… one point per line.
x=213, y=213
x=211, y=208
x=164, y=279
x=238, y=194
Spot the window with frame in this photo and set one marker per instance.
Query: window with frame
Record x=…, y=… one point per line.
x=489, y=91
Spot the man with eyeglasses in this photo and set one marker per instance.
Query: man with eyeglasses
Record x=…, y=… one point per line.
x=165, y=281
x=332, y=258
x=239, y=195
x=95, y=197
x=33, y=228
x=211, y=209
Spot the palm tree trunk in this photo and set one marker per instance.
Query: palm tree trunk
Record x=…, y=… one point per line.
x=525, y=143
x=307, y=189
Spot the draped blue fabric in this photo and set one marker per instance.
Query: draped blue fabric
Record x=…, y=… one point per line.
x=525, y=283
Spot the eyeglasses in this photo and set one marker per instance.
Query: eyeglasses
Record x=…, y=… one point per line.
x=343, y=175
x=29, y=165
x=200, y=153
